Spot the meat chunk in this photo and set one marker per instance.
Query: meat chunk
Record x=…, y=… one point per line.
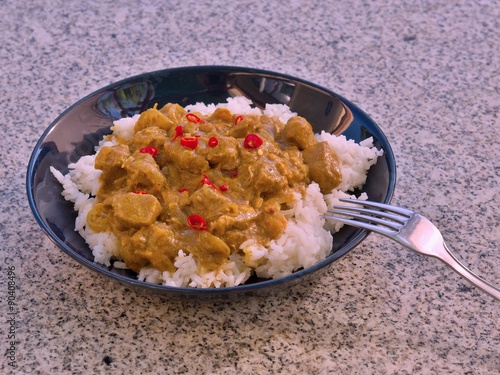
x=143, y=173
x=135, y=210
x=273, y=126
x=237, y=219
x=184, y=158
x=323, y=166
x=173, y=112
x=268, y=179
x=263, y=177
x=134, y=260
x=273, y=221
x=156, y=243
x=224, y=155
x=249, y=124
x=299, y=132
x=153, y=117
x=223, y=114
x=110, y=161
x=211, y=251
x=208, y=199
x=150, y=136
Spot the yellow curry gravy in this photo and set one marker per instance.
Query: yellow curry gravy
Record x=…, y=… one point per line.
x=204, y=184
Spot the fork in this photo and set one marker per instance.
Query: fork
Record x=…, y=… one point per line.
x=410, y=229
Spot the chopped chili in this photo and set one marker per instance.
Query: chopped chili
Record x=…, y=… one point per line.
x=189, y=142
x=224, y=187
x=149, y=150
x=238, y=119
x=197, y=222
x=140, y=192
x=206, y=181
x=252, y=141
x=213, y=141
x=193, y=118
x=182, y=190
x=178, y=132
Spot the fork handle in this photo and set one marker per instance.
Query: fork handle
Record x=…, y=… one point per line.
x=448, y=258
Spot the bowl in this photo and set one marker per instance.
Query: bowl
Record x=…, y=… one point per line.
x=78, y=129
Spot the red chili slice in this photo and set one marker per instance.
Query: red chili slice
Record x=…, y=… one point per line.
x=212, y=142
x=206, y=181
x=182, y=190
x=197, y=222
x=189, y=142
x=140, y=192
x=224, y=187
x=149, y=150
x=238, y=119
x=252, y=141
x=178, y=132
x=193, y=118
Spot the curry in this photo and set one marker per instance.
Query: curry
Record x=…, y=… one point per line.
x=204, y=184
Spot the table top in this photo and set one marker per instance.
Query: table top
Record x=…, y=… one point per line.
x=426, y=72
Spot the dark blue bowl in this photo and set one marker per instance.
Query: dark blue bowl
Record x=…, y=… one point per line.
x=76, y=131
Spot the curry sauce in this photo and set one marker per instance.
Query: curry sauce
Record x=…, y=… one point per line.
x=204, y=184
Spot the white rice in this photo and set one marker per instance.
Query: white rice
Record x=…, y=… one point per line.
x=307, y=238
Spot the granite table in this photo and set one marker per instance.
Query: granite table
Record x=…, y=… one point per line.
x=428, y=72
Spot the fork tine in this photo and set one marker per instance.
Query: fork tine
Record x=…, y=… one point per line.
x=383, y=206
x=362, y=225
x=348, y=210
x=377, y=217
x=395, y=223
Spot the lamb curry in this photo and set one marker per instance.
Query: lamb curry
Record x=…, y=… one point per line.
x=204, y=184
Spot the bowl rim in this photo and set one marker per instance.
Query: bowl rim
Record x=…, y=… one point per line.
x=354, y=241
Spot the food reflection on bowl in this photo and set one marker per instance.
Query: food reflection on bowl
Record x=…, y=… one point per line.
x=79, y=129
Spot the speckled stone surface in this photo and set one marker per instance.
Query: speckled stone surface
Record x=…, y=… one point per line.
x=428, y=72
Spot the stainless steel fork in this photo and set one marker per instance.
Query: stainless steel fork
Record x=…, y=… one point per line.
x=409, y=229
